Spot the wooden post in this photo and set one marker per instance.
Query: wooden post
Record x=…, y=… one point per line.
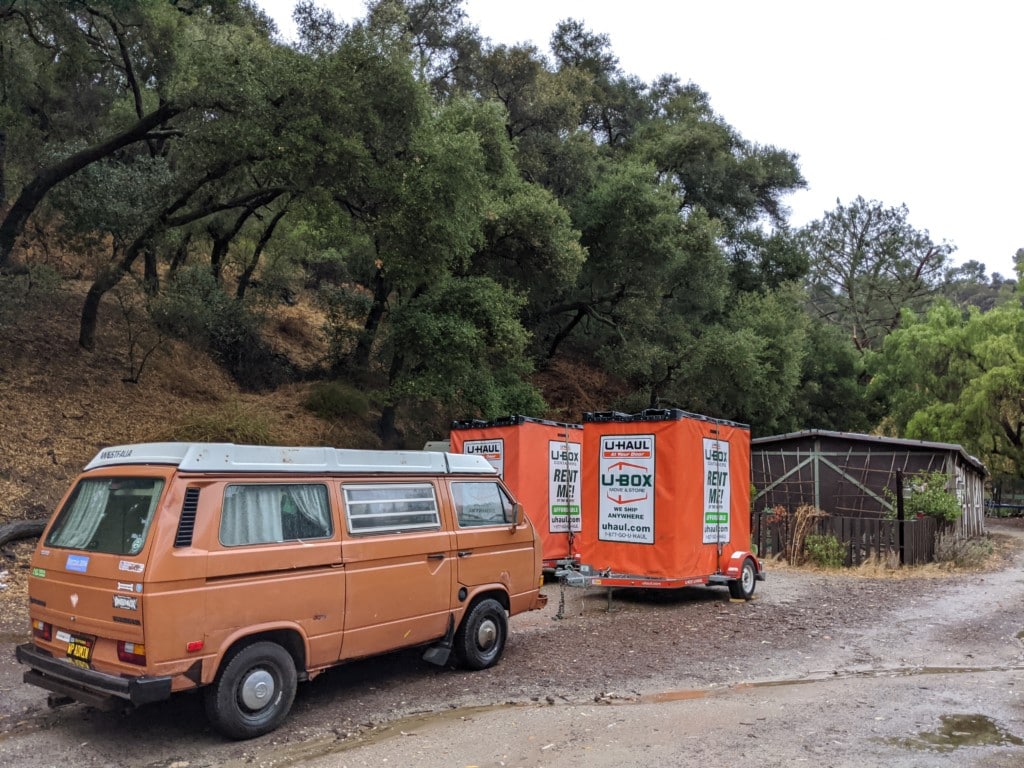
x=900, y=522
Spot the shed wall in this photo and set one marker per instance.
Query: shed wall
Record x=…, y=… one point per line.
x=849, y=478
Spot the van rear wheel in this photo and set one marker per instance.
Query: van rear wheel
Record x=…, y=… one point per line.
x=253, y=692
x=481, y=637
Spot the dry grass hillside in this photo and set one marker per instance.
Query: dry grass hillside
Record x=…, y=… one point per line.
x=62, y=403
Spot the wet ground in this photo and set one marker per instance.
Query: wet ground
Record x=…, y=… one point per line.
x=832, y=669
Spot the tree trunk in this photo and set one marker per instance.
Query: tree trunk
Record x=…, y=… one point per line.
x=246, y=276
x=361, y=354
x=106, y=280
x=389, y=435
x=3, y=170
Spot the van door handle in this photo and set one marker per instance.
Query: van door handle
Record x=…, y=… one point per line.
x=465, y=553
x=436, y=556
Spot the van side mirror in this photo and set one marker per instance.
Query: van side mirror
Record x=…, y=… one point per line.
x=517, y=514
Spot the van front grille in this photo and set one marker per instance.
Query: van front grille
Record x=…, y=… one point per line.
x=187, y=523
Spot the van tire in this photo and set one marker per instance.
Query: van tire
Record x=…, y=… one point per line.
x=480, y=640
x=235, y=701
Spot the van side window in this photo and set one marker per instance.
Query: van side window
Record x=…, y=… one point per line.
x=482, y=504
x=391, y=508
x=269, y=513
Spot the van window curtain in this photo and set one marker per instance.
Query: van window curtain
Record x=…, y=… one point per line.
x=311, y=501
x=85, y=515
x=251, y=515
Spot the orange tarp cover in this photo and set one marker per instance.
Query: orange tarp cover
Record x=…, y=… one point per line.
x=541, y=464
x=662, y=493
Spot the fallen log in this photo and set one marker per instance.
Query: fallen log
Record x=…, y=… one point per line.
x=20, y=529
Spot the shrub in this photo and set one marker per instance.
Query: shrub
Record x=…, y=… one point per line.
x=930, y=497
x=334, y=400
x=824, y=551
x=968, y=554
x=234, y=423
x=195, y=308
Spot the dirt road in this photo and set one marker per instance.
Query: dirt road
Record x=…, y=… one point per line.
x=821, y=669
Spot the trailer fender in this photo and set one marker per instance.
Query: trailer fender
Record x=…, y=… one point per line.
x=734, y=566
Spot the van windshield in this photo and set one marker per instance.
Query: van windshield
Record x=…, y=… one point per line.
x=107, y=514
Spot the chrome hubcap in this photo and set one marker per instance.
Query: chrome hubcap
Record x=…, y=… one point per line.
x=258, y=689
x=748, y=579
x=487, y=634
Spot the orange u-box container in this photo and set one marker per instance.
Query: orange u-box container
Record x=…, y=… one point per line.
x=540, y=461
x=666, y=496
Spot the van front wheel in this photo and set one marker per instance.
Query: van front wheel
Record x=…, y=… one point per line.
x=481, y=636
x=253, y=692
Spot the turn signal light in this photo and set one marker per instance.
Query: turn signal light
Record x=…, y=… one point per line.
x=131, y=653
x=193, y=646
x=41, y=629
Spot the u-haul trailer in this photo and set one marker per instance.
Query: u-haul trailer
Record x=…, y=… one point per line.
x=540, y=462
x=666, y=494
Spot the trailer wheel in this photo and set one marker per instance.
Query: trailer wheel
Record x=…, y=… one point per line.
x=743, y=587
x=481, y=636
x=253, y=692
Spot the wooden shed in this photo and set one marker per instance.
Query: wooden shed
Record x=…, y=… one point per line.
x=846, y=474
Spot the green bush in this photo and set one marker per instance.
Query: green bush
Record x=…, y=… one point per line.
x=196, y=309
x=824, y=551
x=333, y=400
x=930, y=497
x=927, y=495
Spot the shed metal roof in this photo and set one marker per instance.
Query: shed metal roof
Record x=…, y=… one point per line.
x=878, y=439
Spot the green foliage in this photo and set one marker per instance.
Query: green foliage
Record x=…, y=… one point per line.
x=461, y=344
x=335, y=401
x=831, y=394
x=195, y=308
x=954, y=376
x=925, y=494
x=929, y=497
x=114, y=198
x=461, y=212
x=824, y=551
x=867, y=263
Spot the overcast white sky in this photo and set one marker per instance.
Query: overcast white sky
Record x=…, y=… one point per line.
x=901, y=101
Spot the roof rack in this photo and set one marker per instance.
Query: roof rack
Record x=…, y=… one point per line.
x=510, y=421
x=228, y=457
x=655, y=414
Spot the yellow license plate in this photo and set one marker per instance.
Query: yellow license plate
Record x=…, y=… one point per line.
x=80, y=651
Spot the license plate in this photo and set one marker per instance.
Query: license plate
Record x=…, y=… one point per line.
x=80, y=650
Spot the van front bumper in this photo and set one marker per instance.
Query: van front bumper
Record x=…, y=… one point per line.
x=88, y=685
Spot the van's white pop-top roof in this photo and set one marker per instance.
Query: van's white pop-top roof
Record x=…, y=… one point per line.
x=228, y=457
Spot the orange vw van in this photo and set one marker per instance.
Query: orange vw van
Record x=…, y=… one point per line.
x=244, y=569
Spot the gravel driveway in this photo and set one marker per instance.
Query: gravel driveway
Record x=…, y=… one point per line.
x=858, y=638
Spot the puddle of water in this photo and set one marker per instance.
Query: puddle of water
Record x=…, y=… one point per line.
x=667, y=696
x=959, y=731
x=814, y=677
